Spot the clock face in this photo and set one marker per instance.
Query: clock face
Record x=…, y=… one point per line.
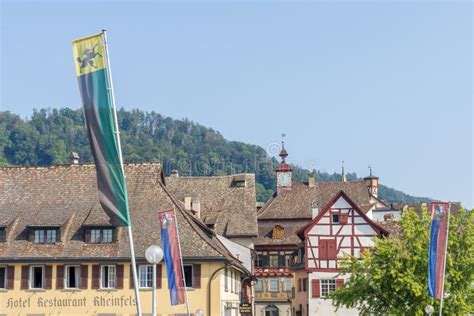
x=284, y=179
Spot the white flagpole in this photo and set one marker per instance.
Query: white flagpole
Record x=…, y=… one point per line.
x=444, y=263
x=129, y=227
x=181, y=257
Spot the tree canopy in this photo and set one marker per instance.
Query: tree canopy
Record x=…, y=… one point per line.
x=391, y=278
x=48, y=136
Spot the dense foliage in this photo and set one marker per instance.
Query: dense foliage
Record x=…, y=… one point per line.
x=391, y=278
x=48, y=137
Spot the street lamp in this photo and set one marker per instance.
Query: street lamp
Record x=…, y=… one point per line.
x=154, y=255
x=429, y=309
x=199, y=312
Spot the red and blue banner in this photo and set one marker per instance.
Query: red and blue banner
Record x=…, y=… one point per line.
x=170, y=243
x=437, y=249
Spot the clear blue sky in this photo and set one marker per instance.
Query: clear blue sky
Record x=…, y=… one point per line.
x=381, y=83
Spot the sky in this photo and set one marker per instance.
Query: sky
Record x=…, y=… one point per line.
x=386, y=84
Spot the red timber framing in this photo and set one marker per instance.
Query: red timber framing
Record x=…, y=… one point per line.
x=346, y=235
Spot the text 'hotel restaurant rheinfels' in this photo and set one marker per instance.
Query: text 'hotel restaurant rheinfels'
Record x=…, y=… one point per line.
x=59, y=254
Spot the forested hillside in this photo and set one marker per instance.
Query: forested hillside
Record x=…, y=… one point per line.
x=48, y=137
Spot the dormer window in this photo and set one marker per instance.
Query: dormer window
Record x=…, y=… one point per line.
x=100, y=235
x=2, y=234
x=45, y=236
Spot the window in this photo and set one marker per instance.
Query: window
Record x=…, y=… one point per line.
x=3, y=277
x=288, y=285
x=48, y=236
x=2, y=234
x=271, y=310
x=273, y=260
x=327, y=286
x=259, y=286
x=327, y=249
x=36, y=277
x=273, y=285
x=259, y=261
x=107, y=277
x=146, y=276
x=188, y=275
x=335, y=218
x=71, y=277
x=102, y=235
x=226, y=280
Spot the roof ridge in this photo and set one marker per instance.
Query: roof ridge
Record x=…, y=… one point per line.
x=68, y=165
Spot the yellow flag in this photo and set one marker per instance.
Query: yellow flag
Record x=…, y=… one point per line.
x=89, y=54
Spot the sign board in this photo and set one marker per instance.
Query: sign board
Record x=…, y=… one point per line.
x=245, y=308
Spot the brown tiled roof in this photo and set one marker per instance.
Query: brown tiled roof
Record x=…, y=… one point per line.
x=67, y=195
x=230, y=207
x=290, y=227
x=296, y=203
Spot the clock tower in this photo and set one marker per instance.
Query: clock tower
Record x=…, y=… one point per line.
x=283, y=171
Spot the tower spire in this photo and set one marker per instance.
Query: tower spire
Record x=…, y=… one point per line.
x=343, y=174
x=283, y=153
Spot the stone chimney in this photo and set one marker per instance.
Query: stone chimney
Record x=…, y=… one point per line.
x=174, y=173
x=74, y=158
x=196, y=207
x=187, y=202
x=312, y=179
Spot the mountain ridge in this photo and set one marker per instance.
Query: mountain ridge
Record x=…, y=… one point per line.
x=49, y=135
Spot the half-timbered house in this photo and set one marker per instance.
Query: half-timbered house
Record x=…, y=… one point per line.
x=340, y=228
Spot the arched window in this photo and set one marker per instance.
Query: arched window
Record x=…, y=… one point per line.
x=271, y=310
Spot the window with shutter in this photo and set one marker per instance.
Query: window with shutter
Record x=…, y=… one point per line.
x=315, y=290
x=331, y=249
x=158, y=275
x=3, y=277
x=119, y=276
x=48, y=277
x=188, y=275
x=196, y=276
x=10, y=277
x=323, y=249
x=95, y=276
x=84, y=276
x=343, y=218
x=60, y=277
x=71, y=277
x=24, y=277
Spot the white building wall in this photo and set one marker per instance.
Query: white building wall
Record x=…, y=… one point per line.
x=323, y=306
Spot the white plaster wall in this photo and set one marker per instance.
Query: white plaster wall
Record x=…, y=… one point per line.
x=322, y=306
x=341, y=203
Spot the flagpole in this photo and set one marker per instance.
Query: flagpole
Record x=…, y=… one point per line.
x=444, y=263
x=129, y=227
x=181, y=256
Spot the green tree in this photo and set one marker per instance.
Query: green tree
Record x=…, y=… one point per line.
x=391, y=278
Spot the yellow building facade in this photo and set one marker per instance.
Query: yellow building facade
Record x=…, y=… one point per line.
x=89, y=301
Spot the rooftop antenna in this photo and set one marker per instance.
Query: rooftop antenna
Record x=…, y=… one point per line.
x=370, y=170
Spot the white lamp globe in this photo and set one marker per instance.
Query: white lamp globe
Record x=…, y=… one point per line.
x=199, y=312
x=429, y=309
x=154, y=254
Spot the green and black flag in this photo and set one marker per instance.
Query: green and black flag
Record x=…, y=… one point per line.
x=94, y=85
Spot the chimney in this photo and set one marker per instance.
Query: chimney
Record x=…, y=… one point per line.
x=74, y=158
x=187, y=203
x=312, y=179
x=314, y=209
x=174, y=173
x=196, y=207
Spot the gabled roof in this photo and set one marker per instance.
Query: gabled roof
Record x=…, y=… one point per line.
x=67, y=195
x=379, y=229
x=296, y=203
x=226, y=205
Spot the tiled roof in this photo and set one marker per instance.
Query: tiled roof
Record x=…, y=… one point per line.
x=289, y=236
x=227, y=205
x=67, y=195
x=296, y=203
